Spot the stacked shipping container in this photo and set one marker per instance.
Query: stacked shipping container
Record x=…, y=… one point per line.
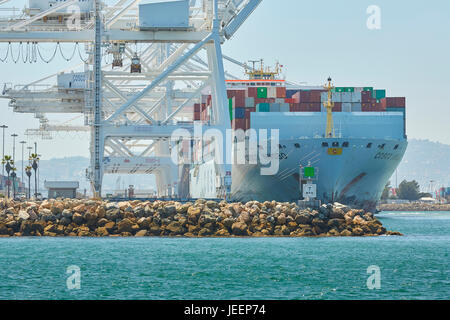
x=242, y=102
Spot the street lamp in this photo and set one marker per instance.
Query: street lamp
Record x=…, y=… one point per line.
x=29, y=153
x=14, y=145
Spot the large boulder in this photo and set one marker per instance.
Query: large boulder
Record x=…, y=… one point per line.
x=175, y=228
x=112, y=214
x=125, y=226
x=67, y=213
x=23, y=215
x=239, y=228
x=77, y=218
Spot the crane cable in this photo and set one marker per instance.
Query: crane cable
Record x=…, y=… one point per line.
x=73, y=52
x=7, y=53
x=52, y=57
x=32, y=51
x=79, y=54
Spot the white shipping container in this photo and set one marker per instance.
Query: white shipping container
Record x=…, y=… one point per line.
x=356, y=107
x=271, y=92
x=346, y=97
x=249, y=102
x=274, y=107
x=284, y=107
x=164, y=14
x=356, y=97
x=74, y=80
x=337, y=97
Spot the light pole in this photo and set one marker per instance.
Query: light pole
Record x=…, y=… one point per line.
x=29, y=154
x=23, y=160
x=14, y=145
x=3, y=146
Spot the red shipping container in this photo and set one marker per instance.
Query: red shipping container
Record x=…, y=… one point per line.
x=304, y=107
x=314, y=107
x=252, y=92
x=248, y=111
x=290, y=100
x=294, y=107
x=366, y=96
x=337, y=107
x=315, y=96
x=261, y=100
x=398, y=102
x=239, y=99
x=203, y=107
x=239, y=124
x=305, y=97
x=281, y=92
x=197, y=107
x=196, y=116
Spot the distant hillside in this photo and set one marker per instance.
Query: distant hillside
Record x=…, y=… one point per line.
x=424, y=161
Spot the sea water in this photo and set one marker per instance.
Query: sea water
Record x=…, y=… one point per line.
x=413, y=266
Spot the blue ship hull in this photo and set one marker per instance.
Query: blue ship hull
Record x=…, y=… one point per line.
x=371, y=146
x=355, y=177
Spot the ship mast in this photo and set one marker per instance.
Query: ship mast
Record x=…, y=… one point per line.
x=329, y=133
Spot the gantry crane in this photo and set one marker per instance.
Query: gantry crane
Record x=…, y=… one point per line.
x=131, y=116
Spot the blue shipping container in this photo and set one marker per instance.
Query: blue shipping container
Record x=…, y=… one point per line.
x=290, y=93
x=239, y=113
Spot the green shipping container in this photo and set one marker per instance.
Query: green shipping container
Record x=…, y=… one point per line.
x=379, y=94
x=262, y=92
x=263, y=107
x=395, y=109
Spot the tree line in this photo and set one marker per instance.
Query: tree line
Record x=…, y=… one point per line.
x=407, y=190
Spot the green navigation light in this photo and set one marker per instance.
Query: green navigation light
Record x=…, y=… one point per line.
x=308, y=172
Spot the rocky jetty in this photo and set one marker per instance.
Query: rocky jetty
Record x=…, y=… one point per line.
x=414, y=206
x=96, y=218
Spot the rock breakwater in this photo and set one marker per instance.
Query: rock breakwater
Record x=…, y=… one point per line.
x=414, y=206
x=95, y=218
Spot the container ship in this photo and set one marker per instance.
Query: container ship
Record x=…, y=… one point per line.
x=354, y=138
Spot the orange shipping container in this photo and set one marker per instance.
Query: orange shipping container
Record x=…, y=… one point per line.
x=281, y=92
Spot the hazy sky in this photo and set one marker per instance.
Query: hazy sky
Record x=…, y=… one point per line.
x=408, y=56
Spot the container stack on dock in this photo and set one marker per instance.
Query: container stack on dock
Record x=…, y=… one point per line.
x=276, y=98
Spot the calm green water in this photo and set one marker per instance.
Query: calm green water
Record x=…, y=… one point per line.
x=416, y=266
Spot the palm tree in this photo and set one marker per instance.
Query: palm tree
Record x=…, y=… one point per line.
x=13, y=176
x=28, y=173
x=34, y=159
x=8, y=161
